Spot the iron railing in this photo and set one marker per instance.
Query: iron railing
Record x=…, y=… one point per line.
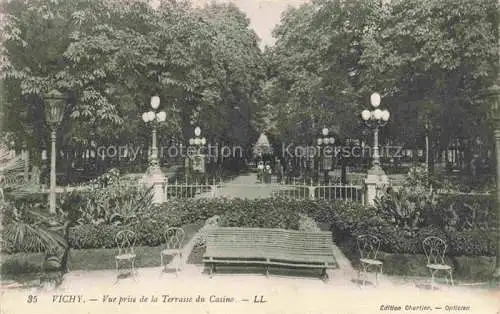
x=262, y=190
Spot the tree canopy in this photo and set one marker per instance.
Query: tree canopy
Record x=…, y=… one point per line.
x=431, y=60
x=109, y=57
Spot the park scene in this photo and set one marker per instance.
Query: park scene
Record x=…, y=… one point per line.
x=351, y=149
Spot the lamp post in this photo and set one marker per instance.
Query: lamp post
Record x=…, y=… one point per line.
x=154, y=118
x=54, y=111
x=325, y=141
x=156, y=177
x=198, y=143
x=375, y=119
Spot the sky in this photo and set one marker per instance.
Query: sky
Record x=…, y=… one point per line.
x=264, y=15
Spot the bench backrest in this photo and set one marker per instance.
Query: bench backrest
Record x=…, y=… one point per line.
x=270, y=244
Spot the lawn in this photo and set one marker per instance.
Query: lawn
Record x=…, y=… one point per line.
x=87, y=259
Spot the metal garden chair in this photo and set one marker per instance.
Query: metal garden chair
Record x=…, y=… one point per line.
x=368, y=246
x=125, y=240
x=174, y=238
x=434, y=249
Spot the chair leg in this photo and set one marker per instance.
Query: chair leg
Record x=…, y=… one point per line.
x=117, y=271
x=381, y=272
x=161, y=262
x=133, y=269
x=451, y=278
x=432, y=280
x=176, y=264
x=364, y=274
x=359, y=275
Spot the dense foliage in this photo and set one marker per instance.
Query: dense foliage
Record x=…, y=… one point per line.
x=109, y=57
x=431, y=61
x=346, y=220
x=414, y=205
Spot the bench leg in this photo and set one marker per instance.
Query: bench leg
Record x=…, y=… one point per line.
x=212, y=270
x=324, y=276
x=267, y=271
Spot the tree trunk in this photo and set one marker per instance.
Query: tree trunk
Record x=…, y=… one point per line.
x=431, y=157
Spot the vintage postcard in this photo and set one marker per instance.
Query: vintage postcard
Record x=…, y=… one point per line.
x=249, y=156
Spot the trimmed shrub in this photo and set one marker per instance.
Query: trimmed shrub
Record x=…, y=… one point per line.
x=465, y=211
x=262, y=213
x=92, y=236
x=472, y=242
x=306, y=223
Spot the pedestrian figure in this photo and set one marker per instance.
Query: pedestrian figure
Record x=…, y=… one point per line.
x=260, y=171
x=267, y=173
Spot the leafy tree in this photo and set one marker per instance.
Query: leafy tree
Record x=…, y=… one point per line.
x=431, y=61
x=315, y=76
x=110, y=57
x=434, y=58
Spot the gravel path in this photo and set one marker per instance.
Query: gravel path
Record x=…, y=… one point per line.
x=279, y=294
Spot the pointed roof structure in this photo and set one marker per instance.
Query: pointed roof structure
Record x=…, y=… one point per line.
x=262, y=145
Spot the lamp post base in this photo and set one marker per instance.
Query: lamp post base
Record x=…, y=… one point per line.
x=375, y=180
x=156, y=180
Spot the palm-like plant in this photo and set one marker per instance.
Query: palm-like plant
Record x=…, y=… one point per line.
x=9, y=168
x=29, y=231
x=114, y=204
x=399, y=208
x=29, y=234
x=26, y=230
x=406, y=208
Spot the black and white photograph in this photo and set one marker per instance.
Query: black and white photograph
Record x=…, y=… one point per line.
x=249, y=156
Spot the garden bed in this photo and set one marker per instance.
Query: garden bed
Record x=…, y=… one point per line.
x=15, y=265
x=465, y=268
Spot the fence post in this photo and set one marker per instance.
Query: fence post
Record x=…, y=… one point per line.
x=214, y=188
x=165, y=189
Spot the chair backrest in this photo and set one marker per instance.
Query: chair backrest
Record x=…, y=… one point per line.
x=125, y=240
x=368, y=246
x=174, y=237
x=434, y=249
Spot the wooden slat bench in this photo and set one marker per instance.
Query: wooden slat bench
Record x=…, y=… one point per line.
x=269, y=247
